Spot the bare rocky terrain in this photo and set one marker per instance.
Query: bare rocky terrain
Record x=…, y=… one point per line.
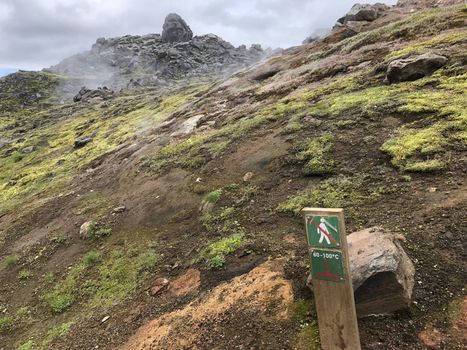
x=164, y=214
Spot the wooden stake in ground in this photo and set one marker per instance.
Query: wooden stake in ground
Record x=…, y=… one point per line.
x=332, y=283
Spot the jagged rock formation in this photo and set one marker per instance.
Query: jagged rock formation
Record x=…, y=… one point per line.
x=86, y=94
x=131, y=61
x=176, y=30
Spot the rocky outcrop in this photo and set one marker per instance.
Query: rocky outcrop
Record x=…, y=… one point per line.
x=382, y=273
x=176, y=30
x=363, y=12
x=86, y=94
x=413, y=68
x=423, y=4
x=161, y=60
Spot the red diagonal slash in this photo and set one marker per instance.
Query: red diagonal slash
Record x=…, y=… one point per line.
x=310, y=220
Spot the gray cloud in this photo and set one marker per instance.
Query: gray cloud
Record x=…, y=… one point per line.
x=39, y=33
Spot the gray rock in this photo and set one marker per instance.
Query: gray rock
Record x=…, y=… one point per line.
x=4, y=142
x=27, y=150
x=356, y=26
x=119, y=209
x=413, y=68
x=83, y=141
x=172, y=59
x=86, y=94
x=176, y=30
x=364, y=12
x=84, y=229
x=188, y=126
x=382, y=273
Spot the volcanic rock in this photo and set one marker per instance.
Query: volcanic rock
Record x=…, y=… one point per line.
x=382, y=273
x=363, y=12
x=86, y=94
x=165, y=60
x=83, y=141
x=175, y=29
x=414, y=68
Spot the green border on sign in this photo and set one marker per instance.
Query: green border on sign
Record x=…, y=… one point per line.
x=323, y=231
x=327, y=265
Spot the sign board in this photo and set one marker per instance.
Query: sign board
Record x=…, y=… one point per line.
x=323, y=231
x=327, y=265
x=332, y=283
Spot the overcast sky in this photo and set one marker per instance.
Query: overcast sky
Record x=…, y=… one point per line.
x=39, y=33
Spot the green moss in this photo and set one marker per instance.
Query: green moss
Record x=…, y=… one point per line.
x=51, y=168
x=338, y=192
x=308, y=337
x=293, y=127
x=57, y=332
x=421, y=47
x=96, y=232
x=217, y=148
x=24, y=275
x=186, y=153
x=102, y=281
x=11, y=261
x=58, y=302
x=22, y=312
x=214, y=196
x=426, y=23
x=315, y=154
x=364, y=101
x=118, y=276
x=410, y=142
x=214, y=254
x=64, y=293
x=91, y=258
x=29, y=345
x=426, y=166
x=6, y=323
x=308, y=334
x=224, y=221
x=299, y=311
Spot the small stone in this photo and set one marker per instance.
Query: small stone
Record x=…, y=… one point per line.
x=84, y=229
x=81, y=142
x=158, y=285
x=120, y=209
x=28, y=149
x=247, y=177
x=400, y=237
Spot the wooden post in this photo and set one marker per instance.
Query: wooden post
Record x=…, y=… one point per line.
x=332, y=283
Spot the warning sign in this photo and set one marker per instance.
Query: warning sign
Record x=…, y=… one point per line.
x=327, y=265
x=323, y=231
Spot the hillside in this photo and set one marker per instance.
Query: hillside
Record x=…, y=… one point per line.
x=191, y=192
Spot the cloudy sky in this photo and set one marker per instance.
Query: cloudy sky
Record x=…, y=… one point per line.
x=38, y=33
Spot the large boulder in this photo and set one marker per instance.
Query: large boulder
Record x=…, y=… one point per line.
x=176, y=30
x=414, y=68
x=86, y=94
x=382, y=273
x=363, y=12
